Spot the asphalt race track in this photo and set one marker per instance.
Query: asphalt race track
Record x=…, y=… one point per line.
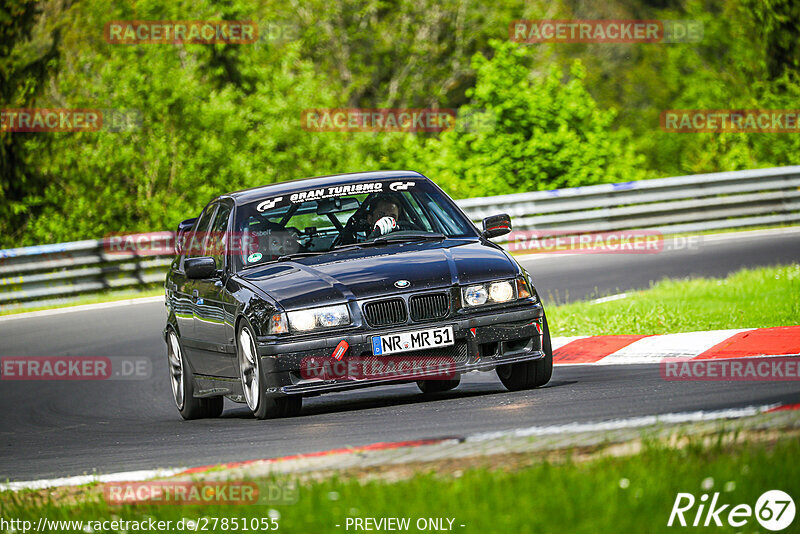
x=52, y=429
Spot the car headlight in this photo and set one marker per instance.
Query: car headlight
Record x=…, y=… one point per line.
x=475, y=295
x=489, y=293
x=501, y=292
x=326, y=317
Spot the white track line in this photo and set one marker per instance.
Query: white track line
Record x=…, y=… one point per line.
x=82, y=307
x=618, y=296
x=727, y=236
x=129, y=476
x=632, y=422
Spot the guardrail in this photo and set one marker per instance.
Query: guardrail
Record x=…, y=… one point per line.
x=682, y=204
x=69, y=269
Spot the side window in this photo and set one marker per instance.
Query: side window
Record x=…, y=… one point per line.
x=195, y=244
x=215, y=244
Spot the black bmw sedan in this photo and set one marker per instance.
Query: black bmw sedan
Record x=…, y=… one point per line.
x=340, y=282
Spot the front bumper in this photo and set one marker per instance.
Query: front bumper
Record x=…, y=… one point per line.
x=482, y=342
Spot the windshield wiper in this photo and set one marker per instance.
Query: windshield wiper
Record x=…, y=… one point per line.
x=341, y=248
x=288, y=257
x=398, y=238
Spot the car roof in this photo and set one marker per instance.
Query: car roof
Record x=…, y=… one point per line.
x=292, y=186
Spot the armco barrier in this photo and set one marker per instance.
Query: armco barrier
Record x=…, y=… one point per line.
x=69, y=269
x=695, y=203
x=669, y=205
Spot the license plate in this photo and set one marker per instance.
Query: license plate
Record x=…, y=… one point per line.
x=410, y=341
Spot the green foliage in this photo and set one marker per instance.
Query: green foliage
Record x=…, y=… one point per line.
x=214, y=118
x=747, y=59
x=544, y=132
x=28, y=56
x=778, y=23
x=201, y=134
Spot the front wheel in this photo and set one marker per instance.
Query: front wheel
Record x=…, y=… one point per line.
x=251, y=373
x=182, y=381
x=532, y=374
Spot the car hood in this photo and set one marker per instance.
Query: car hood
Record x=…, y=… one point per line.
x=372, y=272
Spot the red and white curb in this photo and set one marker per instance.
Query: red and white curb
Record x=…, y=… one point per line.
x=137, y=476
x=332, y=452
x=711, y=344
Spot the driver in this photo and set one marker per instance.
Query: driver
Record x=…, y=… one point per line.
x=382, y=217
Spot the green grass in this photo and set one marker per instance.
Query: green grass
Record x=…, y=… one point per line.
x=754, y=298
x=90, y=299
x=608, y=494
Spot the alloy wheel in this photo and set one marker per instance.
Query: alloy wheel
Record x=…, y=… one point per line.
x=175, y=369
x=249, y=368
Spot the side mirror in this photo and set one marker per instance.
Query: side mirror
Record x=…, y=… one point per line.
x=183, y=227
x=496, y=225
x=202, y=267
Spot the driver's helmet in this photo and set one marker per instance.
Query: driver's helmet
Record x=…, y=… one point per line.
x=384, y=198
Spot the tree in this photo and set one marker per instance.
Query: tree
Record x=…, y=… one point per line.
x=27, y=60
x=545, y=131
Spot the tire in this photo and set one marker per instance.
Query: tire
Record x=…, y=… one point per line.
x=437, y=386
x=532, y=374
x=544, y=367
x=182, y=381
x=251, y=374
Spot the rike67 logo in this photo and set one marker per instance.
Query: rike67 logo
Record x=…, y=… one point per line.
x=774, y=510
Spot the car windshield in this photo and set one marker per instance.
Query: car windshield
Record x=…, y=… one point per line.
x=316, y=221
